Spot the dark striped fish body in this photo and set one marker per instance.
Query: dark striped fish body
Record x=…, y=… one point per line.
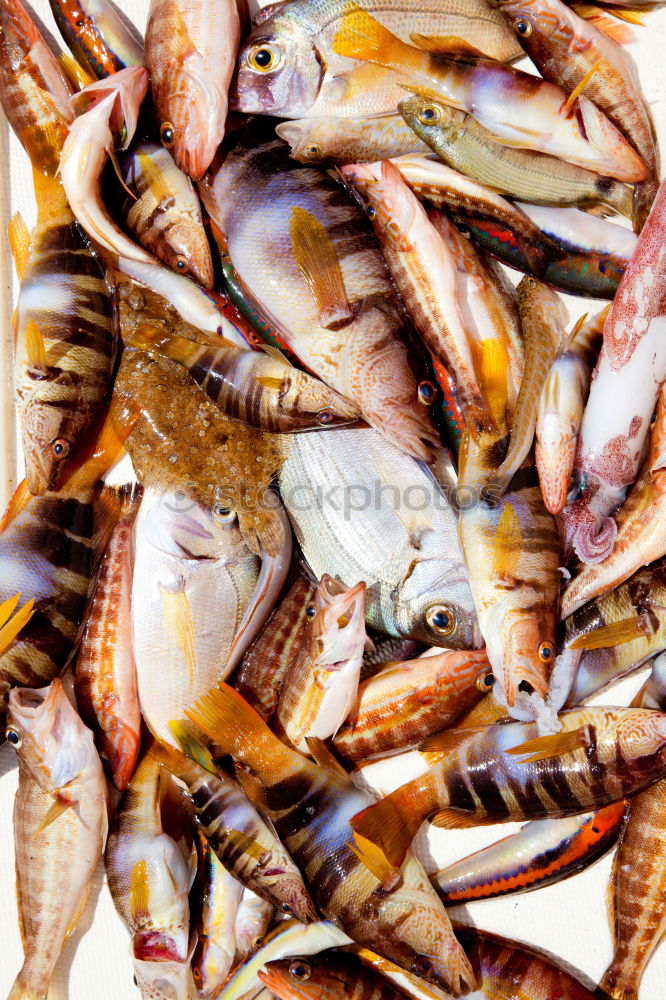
x=260, y=676
x=333, y=975
x=405, y=702
x=543, y=852
x=616, y=752
x=240, y=838
x=388, y=649
x=165, y=214
x=311, y=807
x=98, y=37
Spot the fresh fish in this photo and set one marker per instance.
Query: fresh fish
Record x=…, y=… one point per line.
x=99, y=38
x=254, y=918
x=164, y=213
x=465, y=145
x=386, y=649
x=335, y=975
x=213, y=957
x=269, y=658
x=576, y=230
x=560, y=412
x=657, y=452
x=60, y=815
x=623, y=394
x=349, y=140
x=398, y=534
x=306, y=254
x=182, y=441
x=653, y=692
x=320, y=687
x=406, y=702
x=289, y=66
x=507, y=772
x=544, y=317
x=105, y=673
x=405, y=923
x=543, y=852
x=190, y=55
x=257, y=389
x=535, y=114
x=576, y=55
x=245, y=845
x=150, y=869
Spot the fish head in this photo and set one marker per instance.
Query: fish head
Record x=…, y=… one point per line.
x=336, y=628
x=163, y=980
x=539, y=300
x=521, y=650
x=293, y=899
x=211, y=964
x=641, y=734
x=175, y=524
x=308, y=400
x=50, y=436
x=430, y=118
x=309, y=138
x=386, y=199
x=312, y=978
x=529, y=19
x=52, y=740
x=280, y=71
x=185, y=248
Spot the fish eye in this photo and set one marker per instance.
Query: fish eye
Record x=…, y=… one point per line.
x=14, y=737
x=313, y=150
x=285, y=907
x=421, y=965
x=325, y=415
x=264, y=58
x=430, y=114
x=426, y=393
x=545, y=652
x=182, y=264
x=196, y=972
x=464, y=230
x=523, y=27
x=61, y=447
x=441, y=619
x=310, y=611
x=485, y=681
x=167, y=134
x=300, y=970
x=223, y=514
x=370, y=211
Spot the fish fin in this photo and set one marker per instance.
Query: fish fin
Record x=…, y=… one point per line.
x=361, y=36
x=577, y=327
x=276, y=354
x=441, y=744
x=19, y=501
x=318, y=262
x=609, y=895
x=372, y=857
x=11, y=628
x=268, y=381
x=323, y=756
x=119, y=174
x=173, y=760
x=191, y=745
x=447, y=45
x=567, y=107
x=454, y=819
x=614, y=634
x=74, y=71
x=78, y=915
x=35, y=348
x=252, y=788
x=178, y=622
x=139, y=891
x=227, y=719
x=54, y=812
x=506, y=551
x=515, y=143
x=154, y=178
x=610, y=21
x=20, y=243
x=433, y=95
x=554, y=745
x=246, y=845
x=7, y=608
x=390, y=824
x=491, y=362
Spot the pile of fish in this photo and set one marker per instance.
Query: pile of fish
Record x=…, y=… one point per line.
x=382, y=500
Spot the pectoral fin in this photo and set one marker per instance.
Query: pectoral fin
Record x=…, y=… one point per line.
x=19, y=243
x=317, y=260
x=614, y=634
x=139, y=892
x=448, y=45
x=12, y=626
x=54, y=812
x=178, y=621
x=506, y=553
x=35, y=347
x=374, y=860
x=555, y=745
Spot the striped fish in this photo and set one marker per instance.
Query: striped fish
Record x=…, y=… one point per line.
x=241, y=840
x=505, y=772
x=267, y=661
x=218, y=895
x=98, y=37
x=334, y=975
x=310, y=807
x=65, y=338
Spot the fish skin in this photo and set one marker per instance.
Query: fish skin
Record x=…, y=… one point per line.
x=465, y=145
x=480, y=781
x=97, y=36
x=190, y=53
x=254, y=918
x=349, y=140
x=569, y=227
x=343, y=888
x=57, y=762
x=219, y=899
x=166, y=217
x=310, y=80
x=366, y=360
x=405, y=702
x=335, y=975
x=105, y=672
x=410, y=559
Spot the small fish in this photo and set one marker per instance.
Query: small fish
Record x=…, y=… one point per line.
x=101, y=40
x=335, y=975
x=320, y=687
x=405, y=702
x=105, y=673
x=496, y=774
x=254, y=918
x=60, y=816
x=349, y=140
x=576, y=230
x=464, y=144
x=542, y=853
x=384, y=919
x=221, y=894
x=191, y=56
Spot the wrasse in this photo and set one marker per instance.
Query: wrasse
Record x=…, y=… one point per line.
x=61, y=813
x=335, y=975
x=105, y=675
x=311, y=806
x=244, y=844
x=349, y=140
x=99, y=38
x=543, y=852
x=219, y=899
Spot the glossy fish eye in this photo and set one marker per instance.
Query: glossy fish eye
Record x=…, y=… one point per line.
x=523, y=27
x=182, y=264
x=14, y=737
x=167, y=134
x=300, y=971
x=485, y=681
x=464, y=230
x=196, y=972
x=61, y=447
x=223, y=514
x=325, y=415
x=285, y=907
x=421, y=965
x=264, y=58
x=441, y=619
x=545, y=652
x=313, y=150
x=426, y=393
x=370, y=211
x=430, y=114
x=310, y=611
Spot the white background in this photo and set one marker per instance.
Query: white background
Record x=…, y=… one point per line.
x=568, y=920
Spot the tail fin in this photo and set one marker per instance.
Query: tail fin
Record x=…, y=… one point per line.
x=173, y=760
x=391, y=824
x=235, y=727
x=363, y=37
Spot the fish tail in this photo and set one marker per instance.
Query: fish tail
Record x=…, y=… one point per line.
x=622, y=198
x=173, y=760
x=361, y=36
x=21, y=992
x=390, y=824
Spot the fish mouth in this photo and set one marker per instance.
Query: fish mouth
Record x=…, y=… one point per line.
x=37, y=480
x=270, y=978
x=291, y=132
x=27, y=705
